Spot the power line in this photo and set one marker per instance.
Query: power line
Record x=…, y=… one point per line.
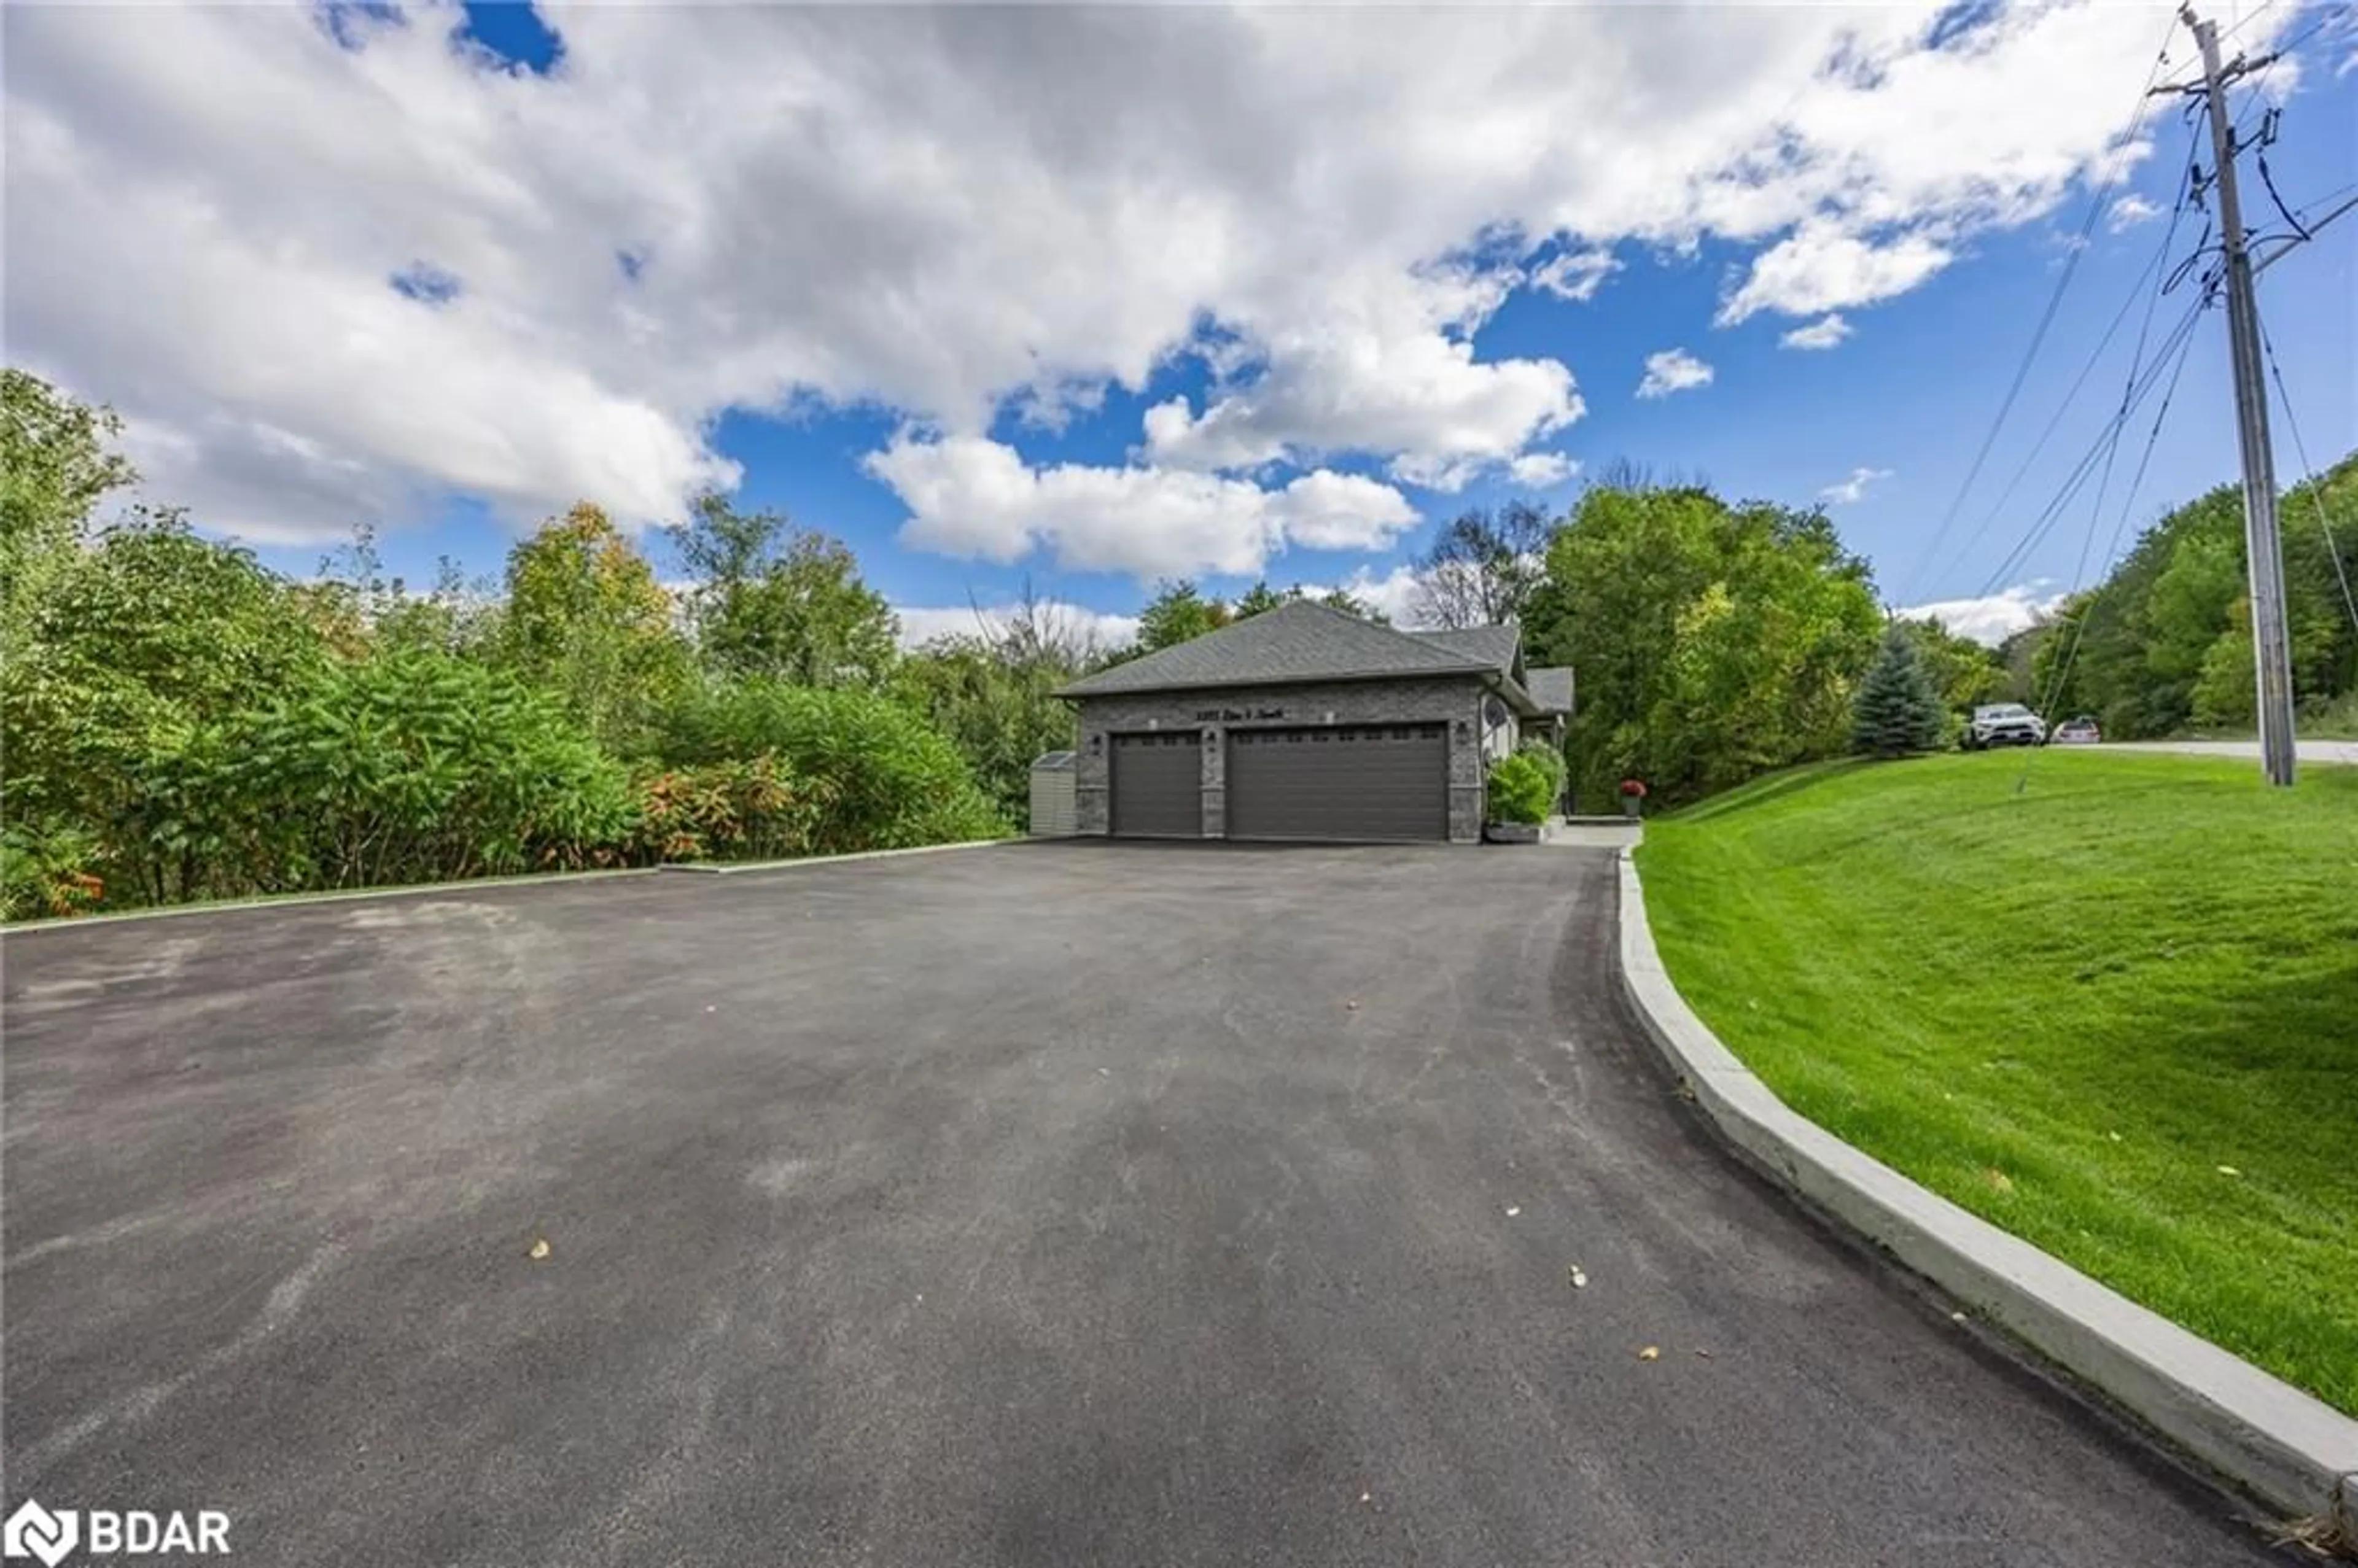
x=2047, y=319
x=2095, y=356
x=2315, y=481
x=2120, y=525
x=2045, y=520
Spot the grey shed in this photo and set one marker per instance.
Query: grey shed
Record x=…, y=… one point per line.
x=1055, y=812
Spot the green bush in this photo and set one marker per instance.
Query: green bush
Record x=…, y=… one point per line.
x=1549, y=757
x=1519, y=790
x=880, y=776
x=403, y=767
x=728, y=811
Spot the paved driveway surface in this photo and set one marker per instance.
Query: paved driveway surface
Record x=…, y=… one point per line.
x=1046, y=1205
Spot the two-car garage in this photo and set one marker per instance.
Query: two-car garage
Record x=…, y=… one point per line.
x=1353, y=783
x=1299, y=724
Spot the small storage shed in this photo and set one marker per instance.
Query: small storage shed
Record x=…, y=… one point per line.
x=1054, y=811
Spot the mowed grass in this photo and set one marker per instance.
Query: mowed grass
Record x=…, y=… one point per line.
x=2066, y=1008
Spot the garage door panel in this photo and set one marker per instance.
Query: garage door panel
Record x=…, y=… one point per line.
x=1379, y=782
x=1158, y=785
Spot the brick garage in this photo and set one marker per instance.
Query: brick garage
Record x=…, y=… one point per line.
x=1305, y=723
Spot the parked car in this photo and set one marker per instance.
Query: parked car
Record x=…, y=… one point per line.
x=2080, y=731
x=2004, y=724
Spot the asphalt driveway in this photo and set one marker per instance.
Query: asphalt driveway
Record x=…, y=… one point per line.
x=1051, y=1205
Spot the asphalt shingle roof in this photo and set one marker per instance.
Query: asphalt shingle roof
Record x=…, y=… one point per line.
x=1551, y=688
x=1299, y=641
x=1494, y=646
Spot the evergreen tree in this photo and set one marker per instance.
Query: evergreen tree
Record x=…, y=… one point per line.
x=1897, y=712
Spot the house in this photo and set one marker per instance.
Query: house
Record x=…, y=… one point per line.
x=1304, y=722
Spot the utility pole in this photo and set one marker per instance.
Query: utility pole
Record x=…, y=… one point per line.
x=2263, y=546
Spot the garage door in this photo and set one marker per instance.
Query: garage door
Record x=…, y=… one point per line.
x=1158, y=786
x=1353, y=783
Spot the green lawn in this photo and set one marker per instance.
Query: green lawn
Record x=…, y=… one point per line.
x=2066, y=1007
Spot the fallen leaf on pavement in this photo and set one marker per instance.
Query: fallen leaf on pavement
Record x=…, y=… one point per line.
x=539, y=1250
x=1651, y=1352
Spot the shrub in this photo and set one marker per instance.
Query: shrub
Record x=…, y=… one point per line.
x=1548, y=757
x=879, y=776
x=733, y=810
x=407, y=766
x=46, y=869
x=1519, y=789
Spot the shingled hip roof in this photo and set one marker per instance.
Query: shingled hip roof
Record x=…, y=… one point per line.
x=1297, y=642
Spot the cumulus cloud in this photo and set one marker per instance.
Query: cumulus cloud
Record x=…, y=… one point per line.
x=1825, y=332
x=973, y=497
x=1852, y=491
x=1575, y=275
x=1673, y=370
x=554, y=285
x=2128, y=212
x=1538, y=470
x=1993, y=617
x=1821, y=265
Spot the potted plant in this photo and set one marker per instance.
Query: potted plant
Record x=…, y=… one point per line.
x=1633, y=796
x=1518, y=796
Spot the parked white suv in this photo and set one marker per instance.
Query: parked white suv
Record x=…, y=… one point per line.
x=2004, y=724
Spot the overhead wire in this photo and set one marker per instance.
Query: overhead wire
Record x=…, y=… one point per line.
x=2047, y=319
x=2138, y=291
x=2315, y=481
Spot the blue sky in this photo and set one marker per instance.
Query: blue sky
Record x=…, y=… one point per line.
x=486, y=308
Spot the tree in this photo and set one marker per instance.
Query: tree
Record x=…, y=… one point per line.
x=1484, y=566
x=1897, y=712
x=588, y=622
x=1963, y=673
x=1177, y=613
x=55, y=466
x=1713, y=642
x=773, y=599
x=1261, y=597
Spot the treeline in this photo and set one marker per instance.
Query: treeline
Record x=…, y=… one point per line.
x=2164, y=645
x=181, y=723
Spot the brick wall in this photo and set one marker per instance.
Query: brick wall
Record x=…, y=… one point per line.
x=1457, y=701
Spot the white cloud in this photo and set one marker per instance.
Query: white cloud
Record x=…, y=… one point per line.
x=1394, y=594
x=1993, y=617
x=1575, y=275
x=921, y=624
x=2128, y=212
x=1382, y=364
x=1825, y=332
x=1820, y=266
x=936, y=211
x=973, y=497
x=1538, y=470
x=1852, y=491
x=1673, y=370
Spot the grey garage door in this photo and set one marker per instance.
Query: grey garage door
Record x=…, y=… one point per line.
x=1158, y=786
x=1353, y=783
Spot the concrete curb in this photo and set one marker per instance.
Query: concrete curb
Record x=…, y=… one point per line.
x=739, y=868
x=298, y=900
x=422, y=890
x=2291, y=1450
